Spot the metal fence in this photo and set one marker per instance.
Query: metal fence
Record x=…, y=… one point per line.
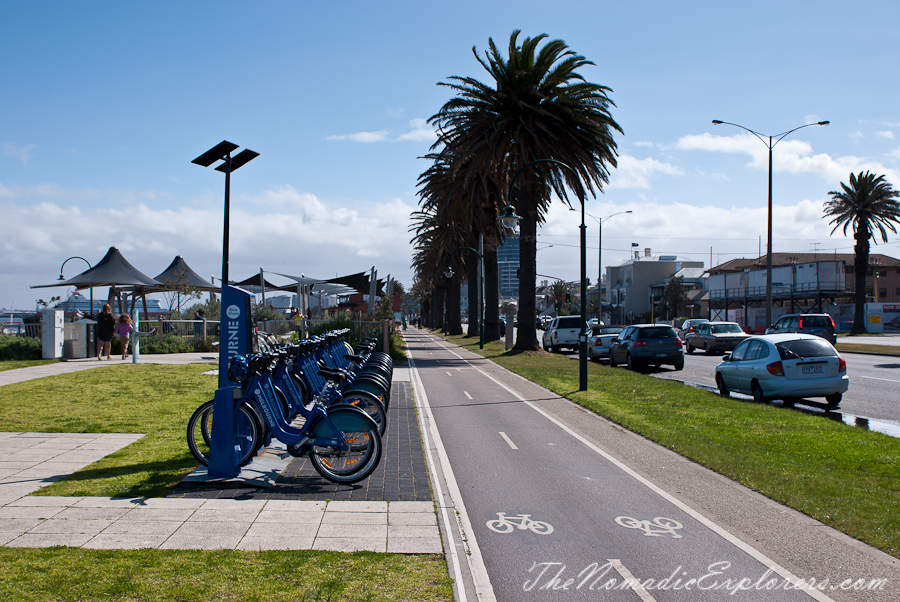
x=21, y=330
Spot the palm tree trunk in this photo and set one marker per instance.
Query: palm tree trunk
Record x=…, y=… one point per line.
x=491, y=288
x=472, y=278
x=860, y=269
x=438, y=307
x=528, y=207
x=454, y=319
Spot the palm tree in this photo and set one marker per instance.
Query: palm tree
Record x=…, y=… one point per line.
x=558, y=292
x=866, y=204
x=539, y=108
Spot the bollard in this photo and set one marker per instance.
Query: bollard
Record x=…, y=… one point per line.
x=387, y=344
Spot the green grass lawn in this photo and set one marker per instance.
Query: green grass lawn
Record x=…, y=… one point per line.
x=844, y=476
x=866, y=348
x=158, y=400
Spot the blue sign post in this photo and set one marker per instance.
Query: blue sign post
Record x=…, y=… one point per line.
x=234, y=339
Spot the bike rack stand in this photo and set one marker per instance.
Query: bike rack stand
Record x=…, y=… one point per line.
x=234, y=339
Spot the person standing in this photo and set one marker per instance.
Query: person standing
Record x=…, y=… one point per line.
x=123, y=329
x=106, y=325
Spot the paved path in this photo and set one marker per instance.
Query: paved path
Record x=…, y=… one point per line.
x=392, y=511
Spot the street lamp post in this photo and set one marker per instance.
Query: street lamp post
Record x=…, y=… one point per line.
x=62, y=278
x=600, y=221
x=770, y=145
x=582, y=336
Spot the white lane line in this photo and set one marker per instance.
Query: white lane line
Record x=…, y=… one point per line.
x=467, y=394
x=481, y=581
x=508, y=440
x=448, y=374
x=630, y=579
x=890, y=380
x=795, y=581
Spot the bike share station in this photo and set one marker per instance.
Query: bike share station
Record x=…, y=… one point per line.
x=264, y=469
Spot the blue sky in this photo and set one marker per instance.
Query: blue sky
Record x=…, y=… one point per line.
x=103, y=105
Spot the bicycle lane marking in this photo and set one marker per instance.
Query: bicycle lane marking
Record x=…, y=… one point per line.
x=481, y=581
x=796, y=582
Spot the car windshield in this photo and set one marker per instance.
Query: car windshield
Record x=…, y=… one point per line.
x=598, y=330
x=659, y=332
x=803, y=348
x=569, y=323
x=726, y=328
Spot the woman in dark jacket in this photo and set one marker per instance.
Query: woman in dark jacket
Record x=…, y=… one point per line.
x=106, y=325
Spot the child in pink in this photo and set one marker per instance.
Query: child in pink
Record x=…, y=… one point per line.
x=123, y=329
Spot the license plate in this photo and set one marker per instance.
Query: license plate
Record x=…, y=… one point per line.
x=810, y=369
x=660, y=355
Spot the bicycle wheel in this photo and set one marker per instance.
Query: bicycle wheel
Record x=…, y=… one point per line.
x=247, y=438
x=360, y=460
x=369, y=404
x=500, y=526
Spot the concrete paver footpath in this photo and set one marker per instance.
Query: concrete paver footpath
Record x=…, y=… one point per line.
x=29, y=461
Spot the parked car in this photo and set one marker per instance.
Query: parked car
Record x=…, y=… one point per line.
x=689, y=326
x=601, y=340
x=647, y=344
x=787, y=366
x=715, y=337
x=821, y=325
x=562, y=332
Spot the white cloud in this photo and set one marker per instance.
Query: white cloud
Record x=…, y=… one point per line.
x=792, y=156
x=22, y=153
x=282, y=230
x=421, y=131
x=886, y=134
x=643, y=143
x=379, y=136
x=636, y=173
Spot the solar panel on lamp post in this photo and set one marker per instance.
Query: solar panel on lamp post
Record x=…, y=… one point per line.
x=222, y=151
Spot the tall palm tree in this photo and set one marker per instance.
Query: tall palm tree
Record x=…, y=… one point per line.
x=867, y=204
x=539, y=107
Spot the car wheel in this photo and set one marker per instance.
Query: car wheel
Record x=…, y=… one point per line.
x=706, y=348
x=834, y=400
x=757, y=392
x=632, y=365
x=688, y=348
x=720, y=383
x=679, y=365
x=612, y=360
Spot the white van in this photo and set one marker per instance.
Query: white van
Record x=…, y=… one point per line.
x=562, y=332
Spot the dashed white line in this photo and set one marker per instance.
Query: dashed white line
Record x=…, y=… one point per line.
x=467, y=394
x=508, y=440
x=890, y=380
x=630, y=579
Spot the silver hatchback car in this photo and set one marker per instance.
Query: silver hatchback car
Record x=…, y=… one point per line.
x=788, y=366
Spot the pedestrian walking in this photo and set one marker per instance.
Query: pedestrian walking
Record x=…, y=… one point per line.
x=106, y=325
x=123, y=329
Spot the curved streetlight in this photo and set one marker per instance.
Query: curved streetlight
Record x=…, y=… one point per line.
x=582, y=336
x=773, y=140
x=600, y=221
x=62, y=278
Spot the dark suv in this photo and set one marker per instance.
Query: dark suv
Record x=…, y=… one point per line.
x=821, y=325
x=647, y=344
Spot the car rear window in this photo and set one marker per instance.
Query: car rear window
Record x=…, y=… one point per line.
x=816, y=322
x=725, y=328
x=803, y=348
x=660, y=332
x=569, y=323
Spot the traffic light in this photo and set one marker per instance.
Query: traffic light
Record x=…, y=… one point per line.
x=517, y=273
x=556, y=307
x=568, y=298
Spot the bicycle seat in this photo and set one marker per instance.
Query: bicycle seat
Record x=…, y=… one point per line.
x=334, y=375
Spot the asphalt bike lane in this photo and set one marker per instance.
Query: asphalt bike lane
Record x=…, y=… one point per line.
x=553, y=516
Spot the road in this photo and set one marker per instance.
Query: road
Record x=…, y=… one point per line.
x=519, y=455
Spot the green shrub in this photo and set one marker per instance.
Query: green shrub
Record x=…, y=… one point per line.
x=20, y=348
x=168, y=344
